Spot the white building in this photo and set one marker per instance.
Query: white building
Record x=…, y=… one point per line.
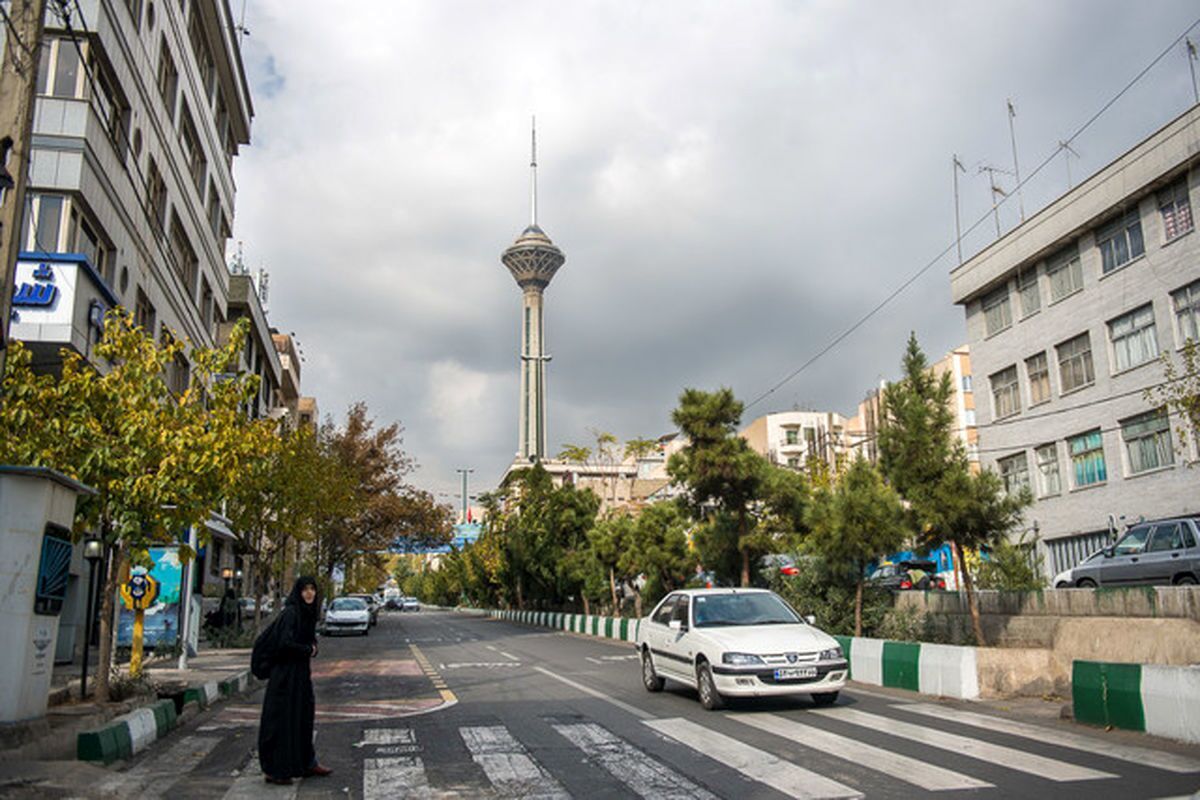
x=793, y=438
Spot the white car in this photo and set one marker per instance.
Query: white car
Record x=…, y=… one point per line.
x=410, y=604
x=738, y=643
x=347, y=615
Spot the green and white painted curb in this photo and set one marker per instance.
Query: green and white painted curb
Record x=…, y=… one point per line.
x=203, y=694
x=1160, y=700
x=621, y=629
x=235, y=685
x=127, y=735
x=937, y=669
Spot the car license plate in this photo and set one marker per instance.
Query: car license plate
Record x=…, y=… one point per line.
x=795, y=672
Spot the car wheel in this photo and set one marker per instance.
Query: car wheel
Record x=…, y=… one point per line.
x=650, y=678
x=1185, y=580
x=1085, y=583
x=710, y=698
x=1062, y=585
x=825, y=698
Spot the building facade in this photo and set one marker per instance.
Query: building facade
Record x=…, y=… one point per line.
x=795, y=438
x=1067, y=316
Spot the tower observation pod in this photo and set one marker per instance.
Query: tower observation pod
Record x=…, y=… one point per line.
x=532, y=260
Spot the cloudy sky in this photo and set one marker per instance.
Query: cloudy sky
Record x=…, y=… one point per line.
x=733, y=184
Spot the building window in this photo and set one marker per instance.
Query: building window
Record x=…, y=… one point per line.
x=793, y=462
x=135, y=11
x=966, y=383
x=1065, y=273
x=1014, y=473
x=1029, y=292
x=1037, y=371
x=82, y=237
x=186, y=264
x=1176, y=210
x=1134, y=339
x=1148, y=441
x=1087, y=458
x=997, y=313
x=215, y=215
x=200, y=49
x=156, y=198
x=193, y=153
x=1006, y=393
x=143, y=313
x=810, y=439
x=168, y=78
x=969, y=417
x=1120, y=242
x=59, y=73
x=1187, y=312
x=1049, y=483
x=791, y=436
x=1075, y=363
x=43, y=221
x=206, y=304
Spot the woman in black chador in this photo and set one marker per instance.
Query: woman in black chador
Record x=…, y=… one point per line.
x=285, y=735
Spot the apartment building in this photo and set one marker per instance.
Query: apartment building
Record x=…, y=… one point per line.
x=794, y=438
x=1067, y=316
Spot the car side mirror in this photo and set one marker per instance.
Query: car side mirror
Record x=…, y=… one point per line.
x=1109, y=552
x=810, y=619
x=677, y=625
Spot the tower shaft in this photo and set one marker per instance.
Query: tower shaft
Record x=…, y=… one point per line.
x=532, y=444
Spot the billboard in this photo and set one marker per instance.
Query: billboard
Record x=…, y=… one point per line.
x=162, y=618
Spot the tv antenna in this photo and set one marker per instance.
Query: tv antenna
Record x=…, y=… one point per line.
x=997, y=191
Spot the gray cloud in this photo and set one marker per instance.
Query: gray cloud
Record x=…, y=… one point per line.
x=733, y=184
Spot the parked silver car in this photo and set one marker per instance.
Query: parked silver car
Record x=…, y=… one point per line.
x=1165, y=551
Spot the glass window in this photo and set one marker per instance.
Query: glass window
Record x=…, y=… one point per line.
x=1037, y=370
x=1148, y=441
x=1087, y=458
x=1049, y=483
x=1187, y=311
x=1176, y=210
x=969, y=417
x=997, y=312
x=1166, y=536
x=143, y=313
x=1134, y=339
x=681, y=610
x=1065, y=273
x=1121, y=241
x=66, y=69
x=792, y=436
x=156, y=197
x=1029, y=292
x=45, y=222
x=186, y=264
x=966, y=383
x=1006, y=393
x=663, y=615
x=168, y=78
x=793, y=462
x=1075, y=363
x=1014, y=472
x=1133, y=542
x=193, y=153
x=749, y=608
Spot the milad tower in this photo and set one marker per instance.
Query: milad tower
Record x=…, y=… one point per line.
x=533, y=259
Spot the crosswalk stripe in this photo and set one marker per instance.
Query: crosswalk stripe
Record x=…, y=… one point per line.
x=398, y=776
x=251, y=786
x=760, y=765
x=898, y=767
x=643, y=775
x=508, y=765
x=382, y=736
x=1007, y=757
x=1091, y=744
x=182, y=757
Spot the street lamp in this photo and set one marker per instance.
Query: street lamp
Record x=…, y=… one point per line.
x=237, y=593
x=93, y=551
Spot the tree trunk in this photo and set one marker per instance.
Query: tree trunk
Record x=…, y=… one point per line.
x=972, y=601
x=587, y=611
x=958, y=565
x=858, y=595
x=745, y=551
x=109, y=592
x=520, y=594
x=637, y=603
x=612, y=585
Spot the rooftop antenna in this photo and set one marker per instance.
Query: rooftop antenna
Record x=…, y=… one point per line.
x=956, y=167
x=241, y=29
x=1069, y=151
x=1012, y=114
x=264, y=286
x=238, y=267
x=996, y=191
x=533, y=171
x=1191, y=54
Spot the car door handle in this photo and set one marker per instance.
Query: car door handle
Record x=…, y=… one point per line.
x=1133, y=559
x=1174, y=555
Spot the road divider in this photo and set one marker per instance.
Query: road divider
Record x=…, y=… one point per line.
x=621, y=629
x=1160, y=700
x=937, y=669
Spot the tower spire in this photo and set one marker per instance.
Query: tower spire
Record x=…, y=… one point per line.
x=533, y=171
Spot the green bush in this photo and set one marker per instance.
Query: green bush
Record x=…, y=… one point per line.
x=1011, y=567
x=828, y=594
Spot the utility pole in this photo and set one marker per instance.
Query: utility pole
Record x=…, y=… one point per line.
x=1191, y=57
x=18, y=85
x=1012, y=133
x=464, y=473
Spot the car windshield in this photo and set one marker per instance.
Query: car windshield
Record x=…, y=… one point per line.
x=348, y=604
x=757, y=608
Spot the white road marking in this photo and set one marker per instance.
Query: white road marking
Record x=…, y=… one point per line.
x=1075, y=741
x=508, y=765
x=509, y=656
x=378, y=736
x=251, y=786
x=643, y=775
x=594, y=660
x=181, y=758
x=478, y=664
x=1007, y=757
x=637, y=712
x=899, y=767
x=388, y=778
x=783, y=776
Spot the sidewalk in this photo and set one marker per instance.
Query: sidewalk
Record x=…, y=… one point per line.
x=43, y=755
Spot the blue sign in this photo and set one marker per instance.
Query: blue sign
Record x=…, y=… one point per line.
x=54, y=571
x=37, y=295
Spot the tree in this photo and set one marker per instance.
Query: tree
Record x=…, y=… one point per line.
x=608, y=542
x=159, y=461
x=658, y=550
x=1180, y=391
x=575, y=453
x=606, y=459
x=1013, y=567
x=857, y=521
x=717, y=466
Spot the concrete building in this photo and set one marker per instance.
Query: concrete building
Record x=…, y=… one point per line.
x=259, y=355
x=1067, y=316
x=794, y=438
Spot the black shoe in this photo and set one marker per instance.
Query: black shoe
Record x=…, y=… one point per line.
x=278, y=781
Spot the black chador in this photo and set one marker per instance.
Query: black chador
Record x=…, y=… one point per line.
x=285, y=734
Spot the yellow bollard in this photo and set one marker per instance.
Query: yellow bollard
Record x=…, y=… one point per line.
x=135, y=657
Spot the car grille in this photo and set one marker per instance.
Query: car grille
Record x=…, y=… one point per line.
x=788, y=659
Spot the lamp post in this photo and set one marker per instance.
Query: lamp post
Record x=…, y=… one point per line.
x=237, y=597
x=93, y=551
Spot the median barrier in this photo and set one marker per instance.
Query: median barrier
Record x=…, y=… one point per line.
x=1160, y=700
x=937, y=669
x=621, y=629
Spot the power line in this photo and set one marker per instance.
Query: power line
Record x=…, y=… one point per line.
x=982, y=219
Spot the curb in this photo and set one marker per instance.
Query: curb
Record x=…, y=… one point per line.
x=621, y=629
x=131, y=733
x=1154, y=699
x=937, y=669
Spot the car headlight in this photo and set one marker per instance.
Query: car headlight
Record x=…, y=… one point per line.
x=740, y=659
x=832, y=654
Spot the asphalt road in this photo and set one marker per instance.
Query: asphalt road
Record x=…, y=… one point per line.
x=438, y=704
